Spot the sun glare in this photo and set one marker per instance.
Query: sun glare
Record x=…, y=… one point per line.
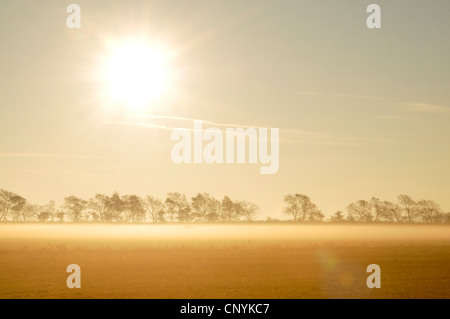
x=135, y=73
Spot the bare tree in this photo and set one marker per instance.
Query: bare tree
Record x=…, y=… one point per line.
x=18, y=205
x=409, y=207
x=238, y=209
x=377, y=209
x=99, y=205
x=390, y=211
x=300, y=207
x=178, y=205
x=43, y=216
x=10, y=203
x=228, y=211
x=249, y=210
x=360, y=211
x=446, y=218
x=75, y=207
x=205, y=207
x=134, y=207
x=59, y=214
x=29, y=211
x=316, y=216
x=337, y=217
x=115, y=207
x=154, y=208
x=47, y=211
x=214, y=209
x=161, y=215
x=200, y=206
x=429, y=211
x=170, y=209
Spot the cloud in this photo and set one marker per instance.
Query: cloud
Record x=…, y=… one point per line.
x=45, y=172
x=426, y=108
x=347, y=96
x=37, y=155
x=288, y=136
x=417, y=107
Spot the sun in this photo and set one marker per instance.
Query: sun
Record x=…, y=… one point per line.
x=135, y=72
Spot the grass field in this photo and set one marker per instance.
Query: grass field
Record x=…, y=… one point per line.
x=224, y=261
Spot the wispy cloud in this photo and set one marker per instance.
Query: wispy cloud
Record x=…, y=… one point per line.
x=347, y=96
x=38, y=155
x=291, y=136
x=416, y=107
x=45, y=172
x=426, y=108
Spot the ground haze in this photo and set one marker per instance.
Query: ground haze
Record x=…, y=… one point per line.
x=224, y=261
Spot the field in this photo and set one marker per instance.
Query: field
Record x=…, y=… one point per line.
x=224, y=261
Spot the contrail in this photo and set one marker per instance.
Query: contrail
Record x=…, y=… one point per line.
x=48, y=155
x=291, y=135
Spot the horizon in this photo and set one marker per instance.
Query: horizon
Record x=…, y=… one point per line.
x=205, y=208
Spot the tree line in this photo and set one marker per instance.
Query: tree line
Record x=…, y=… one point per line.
x=204, y=208
x=176, y=207
x=406, y=210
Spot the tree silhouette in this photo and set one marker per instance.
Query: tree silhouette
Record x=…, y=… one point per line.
x=9, y=202
x=99, y=205
x=248, y=210
x=115, y=207
x=429, y=211
x=214, y=210
x=409, y=207
x=203, y=207
x=390, y=211
x=300, y=207
x=228, y=209
x=29, y=211
x=60, y=216
x=134, y=207
x=200, y=206
x=18, y=205
x=360, y=211
x=154, y=208
x=43, y=216
x=178, y=206
x=446, y=218
x=377, y=209
x=75, y=207
x=337, y=217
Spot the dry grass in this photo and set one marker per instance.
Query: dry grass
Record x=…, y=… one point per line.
x=264, y=261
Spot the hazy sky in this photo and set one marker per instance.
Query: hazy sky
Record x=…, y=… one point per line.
x=361, y=112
